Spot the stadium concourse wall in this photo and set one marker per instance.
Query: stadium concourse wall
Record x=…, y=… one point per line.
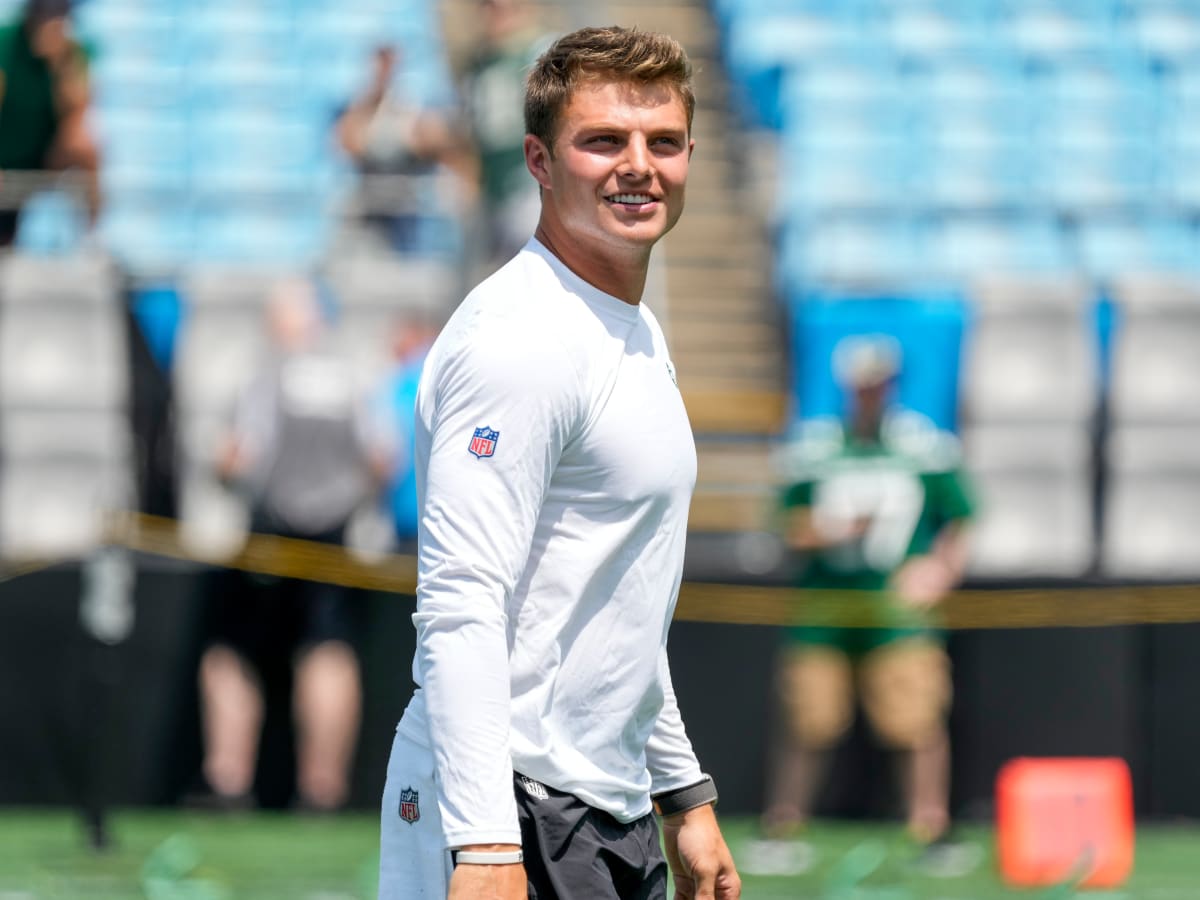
x=88, y=724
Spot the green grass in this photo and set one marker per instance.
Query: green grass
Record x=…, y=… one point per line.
x=176, y=856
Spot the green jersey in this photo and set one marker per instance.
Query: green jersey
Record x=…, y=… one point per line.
x=906, y=486
x=28, y=115
x=494, y=92
x=890, y=497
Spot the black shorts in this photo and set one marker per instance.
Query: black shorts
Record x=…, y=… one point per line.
x=577, y=852
x=270, y=620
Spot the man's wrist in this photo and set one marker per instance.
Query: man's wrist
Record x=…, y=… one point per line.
x=680, y=800
x=488, y=855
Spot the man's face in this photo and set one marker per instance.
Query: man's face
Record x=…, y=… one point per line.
x=620, y=163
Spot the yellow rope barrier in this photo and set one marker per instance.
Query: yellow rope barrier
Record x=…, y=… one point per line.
x=1080, y=607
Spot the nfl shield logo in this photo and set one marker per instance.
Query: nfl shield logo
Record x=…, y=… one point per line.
x=410, y=809
x=483, y=443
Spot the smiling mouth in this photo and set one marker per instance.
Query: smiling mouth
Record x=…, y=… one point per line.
x=630, y=200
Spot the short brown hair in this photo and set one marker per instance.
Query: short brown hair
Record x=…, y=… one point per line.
x=622, y=54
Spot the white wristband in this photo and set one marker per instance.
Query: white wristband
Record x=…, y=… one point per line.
x=488, y=857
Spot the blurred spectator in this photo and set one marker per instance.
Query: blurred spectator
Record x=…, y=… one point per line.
x=875, y=506
x=411, y=339
x=302, y=448
x=494, y=90
x=392, y=141
x=44, y=101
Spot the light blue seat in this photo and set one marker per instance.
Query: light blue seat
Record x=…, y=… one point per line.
x=52, y=223
x=128, y=82
x=859, y=251
x=760, y=51
x=237, y=155
x=1052, y=31
x=1109, y=248
x=969, y=178
x=1085, y=182
x=253, y=237
x=964, y=248
x=144, y=152
x=145, y=239
x=245, y=85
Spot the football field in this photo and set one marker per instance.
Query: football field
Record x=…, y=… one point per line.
x=169, y=855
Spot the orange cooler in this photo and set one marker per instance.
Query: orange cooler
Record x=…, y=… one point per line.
x=1065, y=819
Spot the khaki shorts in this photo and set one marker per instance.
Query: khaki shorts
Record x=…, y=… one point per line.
x=904, y=687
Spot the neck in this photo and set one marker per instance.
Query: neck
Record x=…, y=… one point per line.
x=615, y=271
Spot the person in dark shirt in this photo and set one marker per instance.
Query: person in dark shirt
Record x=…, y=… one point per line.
x=44, y=100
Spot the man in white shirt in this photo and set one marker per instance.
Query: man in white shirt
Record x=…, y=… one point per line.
x=555, y=468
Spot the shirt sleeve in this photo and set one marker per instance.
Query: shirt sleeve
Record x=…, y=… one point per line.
x=669, y=756
x=481, y=505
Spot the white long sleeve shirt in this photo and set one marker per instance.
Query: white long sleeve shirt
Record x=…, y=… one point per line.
x=555, y=467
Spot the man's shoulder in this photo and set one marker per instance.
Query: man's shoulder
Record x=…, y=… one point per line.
x=811, y=445
x=915, y=436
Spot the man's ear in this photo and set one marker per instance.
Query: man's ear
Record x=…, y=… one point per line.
x=537, y=160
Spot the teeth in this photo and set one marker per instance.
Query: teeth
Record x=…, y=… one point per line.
x=631, y=198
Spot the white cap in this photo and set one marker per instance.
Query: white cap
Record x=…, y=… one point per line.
x=866, y=360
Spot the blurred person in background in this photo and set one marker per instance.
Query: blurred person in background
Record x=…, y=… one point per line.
x=391, y=141
x=493, y=87
x=411, y=339
x=44, y=101
x=877, y=506
x=302, y=447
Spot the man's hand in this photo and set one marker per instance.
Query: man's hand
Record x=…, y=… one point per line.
x=476, y=882
x=699, y=859
x=923, y=581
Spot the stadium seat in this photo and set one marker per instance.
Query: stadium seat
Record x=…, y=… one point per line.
x=219, y=346
x=962, y=248
x=1031, y=353
x=1152, y=512
x=1156, y=365
x=54, y=507
x=1111, y=247
x=928, y=327
x=1035, y=500
x=401, y=285
x=62, y=335
x=872, y=252
x=53, y=222
x=1168, y=32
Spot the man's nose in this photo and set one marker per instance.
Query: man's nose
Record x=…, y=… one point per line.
x=637, y=162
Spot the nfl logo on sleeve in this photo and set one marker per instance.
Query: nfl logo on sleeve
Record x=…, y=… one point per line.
x=483, y=443
x=410, y=809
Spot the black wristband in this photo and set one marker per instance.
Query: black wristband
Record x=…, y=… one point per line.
x=670, y=803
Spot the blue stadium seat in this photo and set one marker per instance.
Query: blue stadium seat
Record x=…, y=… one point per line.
x=52, y=223
x=146, y=239
x=1109, y=248
x=760, y=51
x=928, y=326
x=964, y=248
x=861, y=251
x=279, y=237
x=130, y=83
x=144, y=152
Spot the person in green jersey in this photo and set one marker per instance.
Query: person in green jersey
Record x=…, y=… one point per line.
x=876, y=507
x=493, y=88
x=43, y=103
